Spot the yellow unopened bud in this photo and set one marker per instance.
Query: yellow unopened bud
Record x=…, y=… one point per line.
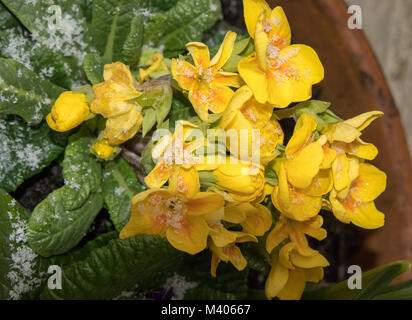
x=155, y=64
x=69, y=111
x=103, y=149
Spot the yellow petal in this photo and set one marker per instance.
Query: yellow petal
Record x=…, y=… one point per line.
x=367, y=216
x=69, y=111
x=204, y=203
x=301, y=243
x=277, y=279
x=305, y=165
x=277, y=27
x=236, y=257
x=321, y=184
x=329, y=156
x=221, y=236
x=340, y=170
x=234, y=214
x=254, y=77
x=302, y=133
x=362, y=149
x=261, y=42
x=142, y=221
x=214, y=264
x=184, y=73
x=159, y=175
x=252, y=11
x=338, y=209
x=306, y=262
x=225, y=51
x=276, y=236
x=343, y=132
x=295, y=286
x=370, y=184
x=200, y=54
x=185, y=181
x=124, y=127
x=292, y=74
x=240, y=97
x=226, y=79
x=103, y=149
x=191, y=236
x=314, y=275
x=284, y=255
x=363, y=120
x=258, y=219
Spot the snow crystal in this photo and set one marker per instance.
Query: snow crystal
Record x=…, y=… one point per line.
x=118, y=191
x=179, y=285
x=21, y=271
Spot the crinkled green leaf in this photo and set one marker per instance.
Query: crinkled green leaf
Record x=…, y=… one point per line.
x=183, y=23
x=158, y=5
x=111, y=25
x=7, y=20
x=66, y=33
x=147, y=160
x=120, y=185
x=60, y=221
x=117, y=267
x=24, y=93
x=93, y=66
x=24, y=151
x=36, y=57
x=241, y=49
x=400, y=291
x=133, y=44
x=229, y=284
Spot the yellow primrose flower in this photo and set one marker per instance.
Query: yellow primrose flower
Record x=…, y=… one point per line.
x=296, y=232
x=357, y=205
x=277, y=71
x=178, y=213
x=344, y=139
x=300, y=204
x=208, y=86
x=155, y=64
x=111, y=101
x=303, y=157
x=103, y=149
x=290, y=271
x=254, y=218
x=164, y=153
x=242, y=187
x=244, y=112
x=69, y=111
x=227, y=250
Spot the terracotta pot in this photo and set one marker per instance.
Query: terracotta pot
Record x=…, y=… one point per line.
x=354, y=83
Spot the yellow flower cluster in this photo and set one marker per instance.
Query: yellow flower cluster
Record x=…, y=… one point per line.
x=217, y=200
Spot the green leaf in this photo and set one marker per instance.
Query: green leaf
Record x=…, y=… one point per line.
x=181, y=110
x=158, y=95
x=319, y=109
x=24, y=151
x=7, y=20
x=241, y=49
x=158, y=5
x=112, y=24
x=24, y=93
x=149, y=120
x=60, y=221
x=374, y=282
x=117, y=267
x=19, y=274
x=120, y=185
x=36, y=57
x=229, y=284
x=147, y=160
x=133, y=44
x=93, y=66
x=400, y=291
x=186, y=22
x=68, y=36
x=270, y=174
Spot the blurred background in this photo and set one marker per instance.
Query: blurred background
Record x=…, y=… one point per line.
x=388, y=27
